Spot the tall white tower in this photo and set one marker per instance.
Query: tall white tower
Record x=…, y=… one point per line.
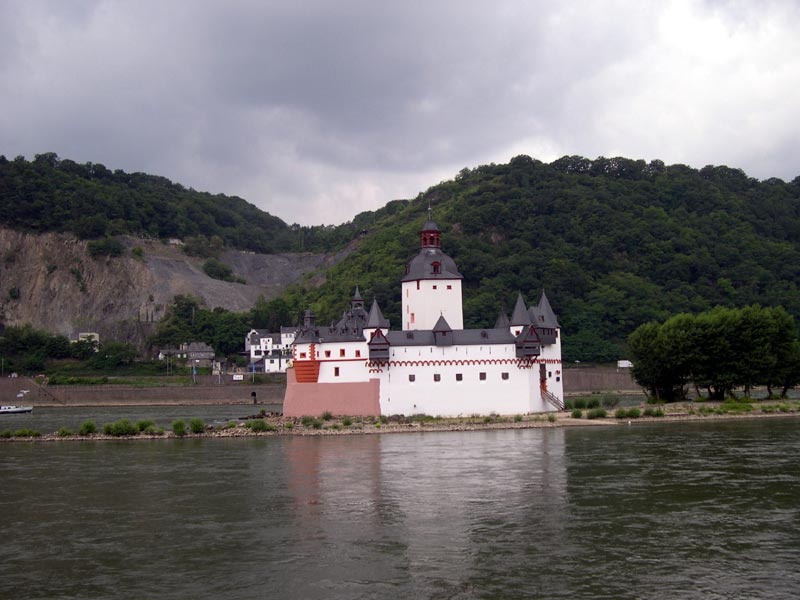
x=432, y=285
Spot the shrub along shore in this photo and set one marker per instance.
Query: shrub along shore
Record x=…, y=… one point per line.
x=578, y=412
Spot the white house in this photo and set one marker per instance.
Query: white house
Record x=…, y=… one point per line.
x=433, y=366
x=269, y=352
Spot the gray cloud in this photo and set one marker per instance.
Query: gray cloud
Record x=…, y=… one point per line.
x=315, y=111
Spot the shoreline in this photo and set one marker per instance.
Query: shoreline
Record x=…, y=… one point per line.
x=335, y=427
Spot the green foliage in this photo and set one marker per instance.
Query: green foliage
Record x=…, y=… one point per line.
x=197, y=425
x=620, y=413
x=187, y=321
x=517, y=418
x=634, y=413
x=143, y=424
x=122, y=427
x=26, y=433
x=316, y=424
x=138, y=253
x=718, y=350
x=577, y=413
x=106, y=246
x=289, y=425
x=87, y=428
x=256, y=425
x=653, y=412
x=327, y=416
x=347, y=421
x=551, y=418
x=609, y=400
x=6, y=433
x=306, y=420
x=596, y=413
x=179, y=427
x=219, y=270
x=64, y=432
x=93, y=201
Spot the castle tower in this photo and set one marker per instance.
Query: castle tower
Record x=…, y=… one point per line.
x=431, y=286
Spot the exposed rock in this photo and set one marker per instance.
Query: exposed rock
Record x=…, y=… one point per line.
x=50, y=281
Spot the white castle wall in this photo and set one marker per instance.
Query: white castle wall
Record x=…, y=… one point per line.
x=424, y=301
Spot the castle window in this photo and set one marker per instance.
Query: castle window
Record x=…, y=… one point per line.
x=341, y=353
x=302, y=355
x=449, y=287
x=437, y=377
x=417, y=283
x=412, y=377
x=482, y=376
x=327, y=353
x=504, y=375
x=412, y=317
x=459, y=377
x=436, y=268
x=335, y=371
x=434, y=287
x=358, y=353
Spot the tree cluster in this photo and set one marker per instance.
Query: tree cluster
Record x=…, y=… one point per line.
x=718, y=352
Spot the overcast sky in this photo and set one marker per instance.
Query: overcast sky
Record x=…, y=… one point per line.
x=318, y=110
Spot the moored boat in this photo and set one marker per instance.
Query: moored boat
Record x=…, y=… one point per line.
x=12, y=409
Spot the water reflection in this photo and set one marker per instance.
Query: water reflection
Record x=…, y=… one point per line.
x=701, y=511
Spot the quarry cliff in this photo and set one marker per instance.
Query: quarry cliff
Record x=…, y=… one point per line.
x=50, y=281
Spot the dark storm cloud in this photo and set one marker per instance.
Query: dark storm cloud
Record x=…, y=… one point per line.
x=318, y=110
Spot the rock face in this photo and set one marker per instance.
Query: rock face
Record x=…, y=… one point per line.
x=50, y=281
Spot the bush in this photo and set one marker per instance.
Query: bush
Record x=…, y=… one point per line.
x=384, y=419
x=26, y=433
x=153, y=430
x=634, y=413
x=551, y=418
x=105, y=247
x=596, y=413
x=316, y=424
x=64, y=432
x=197, y=425
x=577, y=413
x=256, y=425
x=653, y=412
x=593, y=403
x=120, y=428
x=6, y=433
x=347, y=422
x=609, y=400
x=568, y=405
x=88, y=428
x=327, y=416
x=306, y=420
x=289, y=425
x=579, y=403
x=620, y=413
x=179, y=428
x=144, y=425
x=517, y=418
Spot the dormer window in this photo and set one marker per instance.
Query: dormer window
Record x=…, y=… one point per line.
x=436, y=268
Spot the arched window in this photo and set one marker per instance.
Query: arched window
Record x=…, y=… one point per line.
x=436, y=268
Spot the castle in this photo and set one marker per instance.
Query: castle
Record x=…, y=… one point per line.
x=433, y=366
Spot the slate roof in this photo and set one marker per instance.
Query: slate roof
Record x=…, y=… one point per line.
x=376, y=319
x=421, y=266
x=462, y=337
x=542, y=315
x=520, y=315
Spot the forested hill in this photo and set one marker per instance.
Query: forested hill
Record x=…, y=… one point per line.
x=614, y=242
x=92, y=201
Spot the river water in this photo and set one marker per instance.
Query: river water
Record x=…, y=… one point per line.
x=696, y=510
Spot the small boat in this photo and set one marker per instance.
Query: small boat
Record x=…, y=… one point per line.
x=10, y=410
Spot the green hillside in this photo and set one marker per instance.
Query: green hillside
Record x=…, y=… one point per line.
x=92, y=201
x=614, y=242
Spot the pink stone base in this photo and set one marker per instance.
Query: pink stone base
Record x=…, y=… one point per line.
x=313, y=399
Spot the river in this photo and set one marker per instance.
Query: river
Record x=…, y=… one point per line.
x=693, y=510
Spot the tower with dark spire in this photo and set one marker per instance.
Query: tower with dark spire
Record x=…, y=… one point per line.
x=431, y=286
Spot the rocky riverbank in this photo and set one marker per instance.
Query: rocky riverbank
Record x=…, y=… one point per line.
x=273, y=425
